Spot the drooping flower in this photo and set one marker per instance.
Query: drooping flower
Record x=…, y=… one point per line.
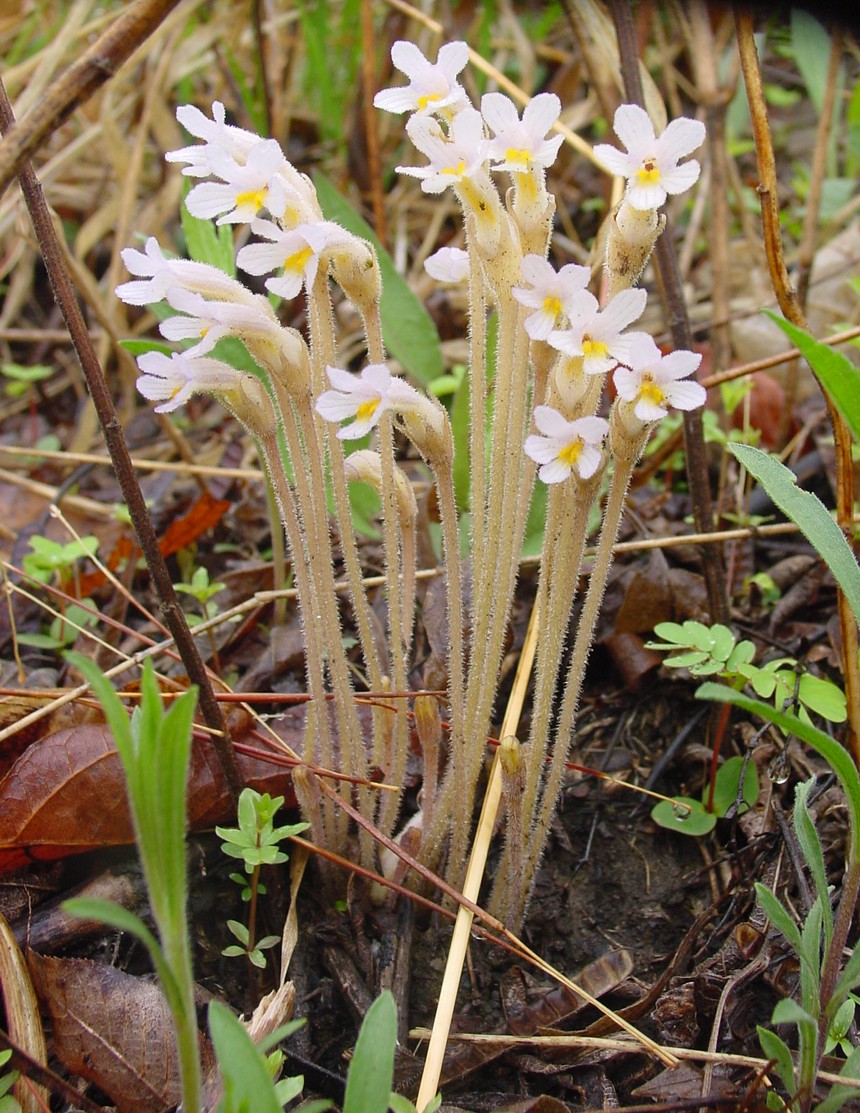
x=549, y=292
x=652, y=163
x=454, y=158
x=448, y=264
x=565, y=446
x=652, y=382
x=597, y=335
x=432, y=86
x=244, y=188
x=365, y=397
x=217, y=135
x=156, y=274
x=209, y=321
x=294, y=253
x=519, y=146
x=173, y=379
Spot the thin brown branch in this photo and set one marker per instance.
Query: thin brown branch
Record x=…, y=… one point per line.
x=793, y=311
x=371, y=128
x=78, y=83
x=64, y=294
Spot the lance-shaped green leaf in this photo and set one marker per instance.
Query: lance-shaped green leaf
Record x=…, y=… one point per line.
x=836, y=372
x=809, y=513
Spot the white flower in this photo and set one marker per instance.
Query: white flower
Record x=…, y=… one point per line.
x=431, y=87
x=651, y=383
x=176, y=377
x=453, y=158
x=365, y=397
x=651, y=164
x=448, y=264
x=157, y=275
x=216, y=135
x=521, y=145
x=597, y=334
x=549, y=293
x=244, y=187
x=566, y=446
x=209, y=321
x=295, y=252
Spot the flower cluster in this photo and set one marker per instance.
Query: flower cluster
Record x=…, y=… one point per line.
x=555, y=344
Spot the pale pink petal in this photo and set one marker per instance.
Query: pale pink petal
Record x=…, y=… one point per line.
x=551, y=423
x=208, y=199
x=541, y=113
x=633, y=127
x=681, y=137
x=677, y=365
x=646, y=197
x=589, y=461
x=452, y=59
x=554, y=472
x=613, y=160
x=681, y=178
x=377, y=376
x=499, y=111
x=409, y=60
x=685, y=395
x=335, y=406
x=621, y=311
x=539, y=449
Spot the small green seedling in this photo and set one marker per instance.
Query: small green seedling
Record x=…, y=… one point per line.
x=20, y=379
x=840, y=1026
x=65, y=628
x=716, y=651
x=52, y=560
x=691, y=817
x=201, y=589
x=247, y=1070
x=256, y=842
x=8, y=1103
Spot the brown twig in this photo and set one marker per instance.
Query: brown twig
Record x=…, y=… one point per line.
x=682, y=337
x=78, y=84
x=174, y=616
x=791, y=308
x=715, y=99
x=371, y=130
x=29, y=1068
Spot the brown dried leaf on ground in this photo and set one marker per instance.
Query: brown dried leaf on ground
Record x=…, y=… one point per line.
x=66, y=794
x=114, y=1030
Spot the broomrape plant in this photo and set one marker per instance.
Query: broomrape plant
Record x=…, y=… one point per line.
x=556, y=344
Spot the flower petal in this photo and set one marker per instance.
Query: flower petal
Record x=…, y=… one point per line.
x=681, y=137
x=551, y=423
x=633, y=127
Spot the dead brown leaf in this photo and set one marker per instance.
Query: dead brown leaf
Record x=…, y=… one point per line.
x=114, y=1030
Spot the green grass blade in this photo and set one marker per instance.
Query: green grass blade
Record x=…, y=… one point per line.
x=809, y=513
x=838, y=375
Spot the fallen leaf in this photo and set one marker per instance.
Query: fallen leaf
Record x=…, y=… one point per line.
x=114, y=1030
x=66, y=794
